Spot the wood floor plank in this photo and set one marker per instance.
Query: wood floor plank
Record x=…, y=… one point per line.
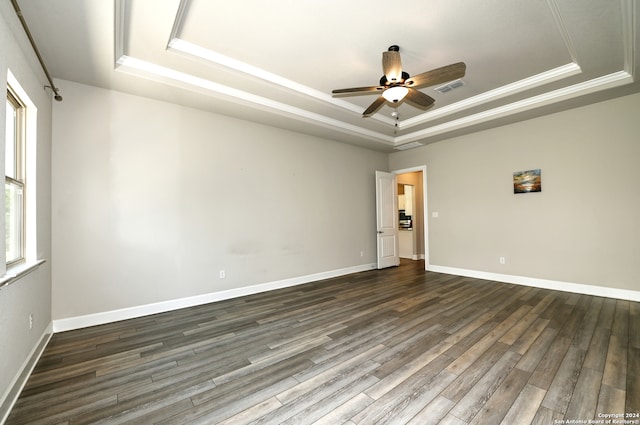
x=344, y=412
x=525, y=407
x=355, y=367
x=584, y=398
x=152, y=399
x=405, y=400
x=321, y=400
x=587, y=327
x=405, y=371
x=261, y=377
x=634, y=325
x=633, y=381
x=253, y=413
x=474, y=352
x=548, y=366
x=615, y=369
x=404, y=408
x=144, y=406
x=530, y=335
x=70, y=410
x=468, y=379
x=612, y=400
x=546, y=416
x=215, y=412
x=564, y=382
x=451, y=420
x=395, y=346
x=400, y=354
x=433, y=412
x=498, y=405
x=596, y=358
x=479, y=394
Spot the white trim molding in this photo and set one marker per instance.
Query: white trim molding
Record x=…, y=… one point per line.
x=577, y=288
x=71, y=323
x=10, y=397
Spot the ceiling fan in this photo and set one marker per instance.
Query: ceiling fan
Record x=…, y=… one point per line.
x=397, y=85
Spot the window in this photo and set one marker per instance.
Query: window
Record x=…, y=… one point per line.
x=14, y=179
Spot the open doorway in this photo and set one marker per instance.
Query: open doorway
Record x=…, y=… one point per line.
x=413, y=229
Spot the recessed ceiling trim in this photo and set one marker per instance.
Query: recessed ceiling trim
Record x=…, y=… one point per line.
x=153, y=71
x=193, y=50
x=564, y=31
x=532, y=82
x=119, y=32
x=629, y=25
x=181, y=46
x=177, y=22
x=190, y=49
x=176, y=78
x=597, y=84
x=178, y=45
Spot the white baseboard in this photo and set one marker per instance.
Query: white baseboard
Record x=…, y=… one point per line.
x=413, y=257
x=10, y=397
x=71, y=323
x=78, y=322
x=578, y=288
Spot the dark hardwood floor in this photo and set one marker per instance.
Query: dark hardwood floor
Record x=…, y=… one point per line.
x=392, y=346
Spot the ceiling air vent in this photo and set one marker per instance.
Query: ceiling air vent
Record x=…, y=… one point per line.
x=450, y=86
x=408, y=146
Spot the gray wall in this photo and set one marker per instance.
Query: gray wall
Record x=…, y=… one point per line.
x=32, y=293
x=583, y=227
x=152, y=199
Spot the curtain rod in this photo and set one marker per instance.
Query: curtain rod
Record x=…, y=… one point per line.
x=52, y=86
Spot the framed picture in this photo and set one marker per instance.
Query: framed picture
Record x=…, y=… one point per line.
x=527, y=181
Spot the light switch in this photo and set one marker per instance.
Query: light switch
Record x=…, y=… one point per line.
x=434, y=214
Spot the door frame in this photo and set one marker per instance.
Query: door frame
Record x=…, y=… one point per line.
x=425, y=215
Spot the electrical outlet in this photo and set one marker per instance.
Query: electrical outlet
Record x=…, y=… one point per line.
x=502, y=260
x=31, y=321
x=222, y=274
x=361, y=253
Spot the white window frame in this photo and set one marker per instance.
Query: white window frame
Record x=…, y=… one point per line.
x=16, y=181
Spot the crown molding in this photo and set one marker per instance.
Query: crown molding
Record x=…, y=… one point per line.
x=597, y=84
x=155, y=72
x=529, y=83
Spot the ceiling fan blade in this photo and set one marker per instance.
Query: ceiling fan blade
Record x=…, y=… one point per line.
x=419, y=99
x=373, y=108
x=357, y=90
x=392, y=66
x=437, y=76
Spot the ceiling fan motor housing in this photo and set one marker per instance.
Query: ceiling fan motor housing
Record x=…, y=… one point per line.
x=385, y=82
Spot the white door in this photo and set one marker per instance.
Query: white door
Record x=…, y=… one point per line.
x=387, y=219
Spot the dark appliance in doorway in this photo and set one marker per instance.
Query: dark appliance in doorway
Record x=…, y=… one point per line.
x=404, y=221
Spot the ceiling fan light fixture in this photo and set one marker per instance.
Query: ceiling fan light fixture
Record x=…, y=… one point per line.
x=395, y=94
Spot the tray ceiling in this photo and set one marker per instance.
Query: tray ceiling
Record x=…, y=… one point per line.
x=276, y=62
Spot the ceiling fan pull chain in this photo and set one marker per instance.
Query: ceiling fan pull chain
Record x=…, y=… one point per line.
x=396, y=116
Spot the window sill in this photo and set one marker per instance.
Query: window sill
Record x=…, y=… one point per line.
x=19, y=271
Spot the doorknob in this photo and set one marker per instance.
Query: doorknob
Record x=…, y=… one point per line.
x=380, y=231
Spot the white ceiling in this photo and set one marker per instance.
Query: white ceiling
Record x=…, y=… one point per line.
x=277, y=61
